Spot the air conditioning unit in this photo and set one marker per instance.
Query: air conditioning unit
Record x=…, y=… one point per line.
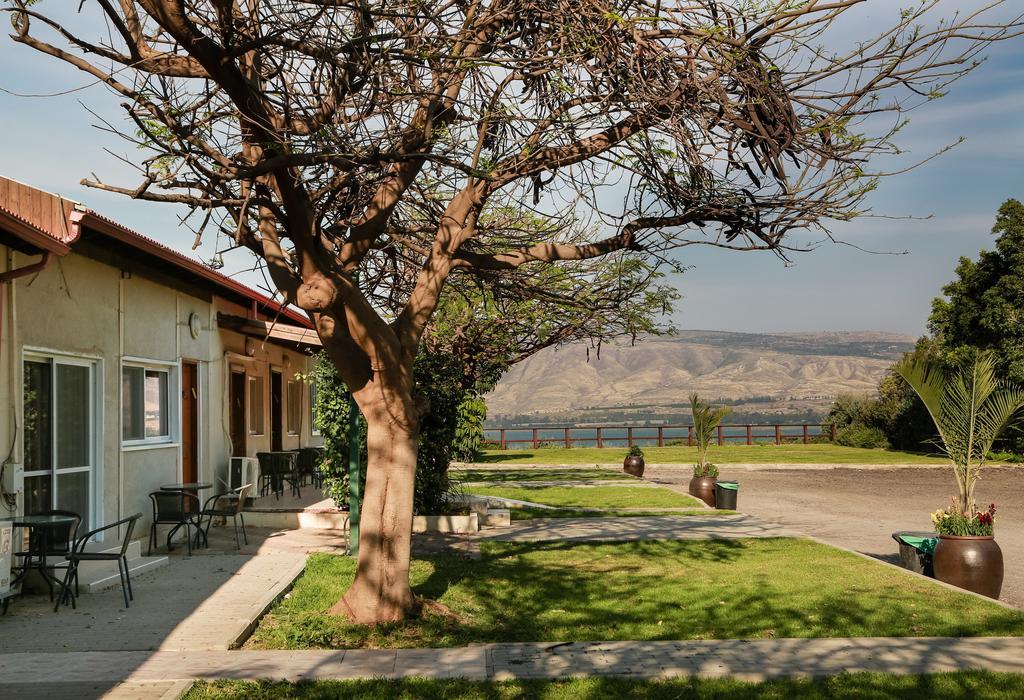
x=242, y=471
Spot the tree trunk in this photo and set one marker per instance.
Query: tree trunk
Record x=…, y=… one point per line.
x=381, y=591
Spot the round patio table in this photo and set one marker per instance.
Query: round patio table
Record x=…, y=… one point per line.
x=40, y=525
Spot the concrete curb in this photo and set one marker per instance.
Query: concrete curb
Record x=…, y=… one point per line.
x=753, y=466
x=269, y=599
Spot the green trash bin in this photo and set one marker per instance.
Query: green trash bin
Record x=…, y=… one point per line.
x=725, y=494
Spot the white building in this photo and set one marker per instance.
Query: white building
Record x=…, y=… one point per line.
x=125, y=365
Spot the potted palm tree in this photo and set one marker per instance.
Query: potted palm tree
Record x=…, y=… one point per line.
x=705, y=421
x=970, y=408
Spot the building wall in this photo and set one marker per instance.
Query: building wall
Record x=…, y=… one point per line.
x=86, y=309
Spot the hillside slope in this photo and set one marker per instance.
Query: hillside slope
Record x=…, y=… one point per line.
x=777, y=372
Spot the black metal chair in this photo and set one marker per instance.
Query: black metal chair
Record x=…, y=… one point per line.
x=288, y=468
x=177, y=508
x=234, y=502
x=78, y=554
x=309, y=466
x=51, y=541
x=270, y=477
x=318, y=466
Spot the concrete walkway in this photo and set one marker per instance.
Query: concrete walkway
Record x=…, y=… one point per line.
x=753, y=660
x=691, y=527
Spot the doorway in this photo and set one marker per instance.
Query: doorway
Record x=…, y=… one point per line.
x=275, y=411
x=60, y=432
x=189, y=422
x=236, y=419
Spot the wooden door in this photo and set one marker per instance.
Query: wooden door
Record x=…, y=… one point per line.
x=276, y=412
x=189, y=422
x=236, y=419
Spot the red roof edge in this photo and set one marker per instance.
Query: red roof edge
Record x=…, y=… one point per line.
x=108, y=227
x=34, y=236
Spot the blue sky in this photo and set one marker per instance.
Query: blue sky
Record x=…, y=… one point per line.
x=50, y=142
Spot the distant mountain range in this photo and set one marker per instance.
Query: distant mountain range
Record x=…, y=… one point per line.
x=779, y=373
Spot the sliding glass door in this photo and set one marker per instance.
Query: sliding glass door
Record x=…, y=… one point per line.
x=60, y=435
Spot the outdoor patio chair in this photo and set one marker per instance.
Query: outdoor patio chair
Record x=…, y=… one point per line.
x=270, y=475
x=288, y=468
x=59, y=540
x=234, y=502
x=309, y=466
x=318, y=467
x=78, y=554
x=177, y=508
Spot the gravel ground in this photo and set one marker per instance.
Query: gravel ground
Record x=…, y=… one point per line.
x=861, y=508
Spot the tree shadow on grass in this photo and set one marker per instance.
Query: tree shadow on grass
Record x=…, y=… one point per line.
x=650, y=590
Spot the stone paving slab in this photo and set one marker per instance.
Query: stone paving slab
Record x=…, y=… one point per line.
x=693, y=527
x=754, y=660
x=202, y=602
x=111, y=690
x=751, y=466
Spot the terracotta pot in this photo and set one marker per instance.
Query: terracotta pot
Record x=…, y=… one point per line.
x=634, y=466
x=974, y=563
x=703, y=487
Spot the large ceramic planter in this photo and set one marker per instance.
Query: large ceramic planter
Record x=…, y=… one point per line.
x=634, y=466
x=973, y=563
x=703, y=487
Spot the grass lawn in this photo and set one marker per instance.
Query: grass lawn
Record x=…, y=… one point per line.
x=727, y=454
x=972, y=685
x=529, y=513
x=636, y=497
x=718, y=589
x=520, y=475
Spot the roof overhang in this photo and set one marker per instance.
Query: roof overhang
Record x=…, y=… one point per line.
x=288, y=336
x=23, y=236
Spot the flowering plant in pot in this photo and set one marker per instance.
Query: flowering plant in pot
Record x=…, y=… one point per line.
x=970, y=408
x=634, y=462
x=705, y=421
x=953, y=523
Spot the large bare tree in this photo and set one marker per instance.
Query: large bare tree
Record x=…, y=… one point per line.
x=404, y=140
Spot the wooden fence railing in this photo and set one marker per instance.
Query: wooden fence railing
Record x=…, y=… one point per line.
x=650, y=436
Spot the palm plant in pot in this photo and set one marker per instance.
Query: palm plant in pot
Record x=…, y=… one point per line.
x=705, y=421
x=634, y=462
x=970, y=408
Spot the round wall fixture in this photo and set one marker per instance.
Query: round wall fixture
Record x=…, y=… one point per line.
x=195, y=326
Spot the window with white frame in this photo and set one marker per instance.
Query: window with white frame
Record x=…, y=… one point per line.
x=256, y=405
x=146, y=403
x=294, y=406
x=314, y=427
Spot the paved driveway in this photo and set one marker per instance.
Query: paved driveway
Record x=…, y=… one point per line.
x=860, y=508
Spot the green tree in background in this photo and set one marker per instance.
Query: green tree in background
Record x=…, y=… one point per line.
x=443, y=375
x=983, y=308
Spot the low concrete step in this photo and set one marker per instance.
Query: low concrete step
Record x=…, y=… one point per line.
x=296, y=519
x=103, y=575
x=98, y=575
